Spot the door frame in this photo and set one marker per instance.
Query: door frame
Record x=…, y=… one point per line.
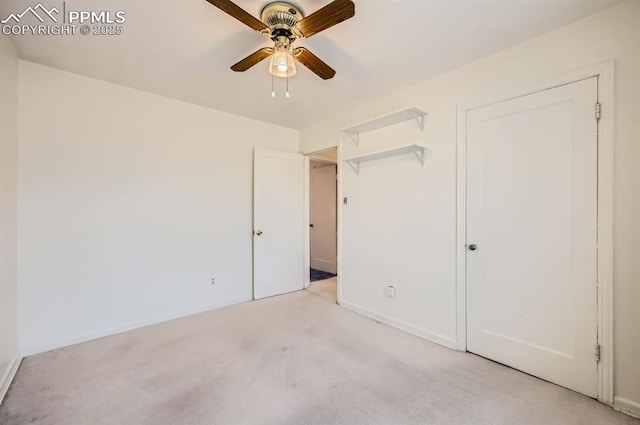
x=334, y=166
x=307, y=213
x=605, y=74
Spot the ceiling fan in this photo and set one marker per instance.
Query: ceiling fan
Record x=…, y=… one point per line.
x=284, y=23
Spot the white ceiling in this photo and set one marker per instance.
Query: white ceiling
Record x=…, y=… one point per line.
x=183, y=49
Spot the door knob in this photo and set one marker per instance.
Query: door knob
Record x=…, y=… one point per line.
x=259, y=232
x=473, y=247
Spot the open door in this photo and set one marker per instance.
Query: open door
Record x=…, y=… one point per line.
x=278, y=223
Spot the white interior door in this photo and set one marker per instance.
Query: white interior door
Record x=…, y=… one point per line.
x=532, y=216
x=278, y=217
x=323, y=218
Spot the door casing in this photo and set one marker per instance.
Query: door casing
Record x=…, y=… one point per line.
x=307, y=212
x=605, y=74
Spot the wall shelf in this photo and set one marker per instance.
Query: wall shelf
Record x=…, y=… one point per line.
x=407, y=114
x=355, y=161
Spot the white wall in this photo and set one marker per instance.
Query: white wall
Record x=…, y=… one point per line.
x=9, y=354
x=413, y=209
x=129, y=204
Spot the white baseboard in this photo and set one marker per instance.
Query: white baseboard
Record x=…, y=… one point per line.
x=423, y=333
x=29, y=350
x=629, y=407
x=9, y=374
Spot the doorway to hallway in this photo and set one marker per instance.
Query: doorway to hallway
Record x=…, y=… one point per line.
x=323, y=228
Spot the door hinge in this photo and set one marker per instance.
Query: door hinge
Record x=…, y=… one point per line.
x=598, y=111
x=596, y=353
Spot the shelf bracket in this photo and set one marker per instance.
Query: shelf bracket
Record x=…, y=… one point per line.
x=420, y=120
x=355, y=166
x=355, y=137
x=420, y=154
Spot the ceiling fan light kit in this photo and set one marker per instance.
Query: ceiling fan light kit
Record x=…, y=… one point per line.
x=282, y=63
x=285, y=23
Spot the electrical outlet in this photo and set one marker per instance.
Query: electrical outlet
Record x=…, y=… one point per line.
x=213, y=280
x=390, y=291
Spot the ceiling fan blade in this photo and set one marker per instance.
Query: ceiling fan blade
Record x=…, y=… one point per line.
x=330, y=15
x=314, y=63
x=240, y=14
x=253, y=59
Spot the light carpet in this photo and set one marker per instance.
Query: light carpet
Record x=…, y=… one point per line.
x=294, y=359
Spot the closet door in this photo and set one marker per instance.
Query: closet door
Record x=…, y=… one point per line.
x=531, y=234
